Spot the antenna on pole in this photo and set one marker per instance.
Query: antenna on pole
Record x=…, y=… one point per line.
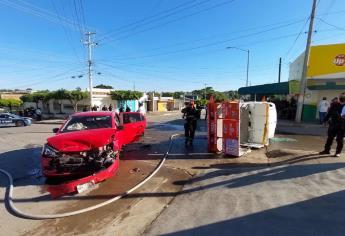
x=89, y=42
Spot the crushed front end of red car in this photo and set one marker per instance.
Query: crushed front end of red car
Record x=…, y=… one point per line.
x=81, y=152
x=85, y=150
x=78, y=154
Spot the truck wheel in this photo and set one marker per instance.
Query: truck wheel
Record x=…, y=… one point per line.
x=20, y=123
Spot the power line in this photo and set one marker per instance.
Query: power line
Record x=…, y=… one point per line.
x=80, y=26
x=299, y=34
x=334, y=26
x=330, y=37
x=187, y=42
x=39, y=12
x=47, y=79
x=140, y=72
x=174, y=70
x=209, y=44
x=172, y=21
x=295, y=41
x=68, y=36
x=141, y=21
x=81, y=6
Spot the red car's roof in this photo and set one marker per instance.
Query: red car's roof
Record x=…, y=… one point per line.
x=94, y=113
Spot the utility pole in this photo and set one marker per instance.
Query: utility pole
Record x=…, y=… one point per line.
x=89, y=42
x=134, y=86
x=303, y=83
x=280, y=69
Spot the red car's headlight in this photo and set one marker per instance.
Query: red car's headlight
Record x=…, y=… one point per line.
x=48, y=151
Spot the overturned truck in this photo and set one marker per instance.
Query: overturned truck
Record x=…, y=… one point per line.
x=235, y=127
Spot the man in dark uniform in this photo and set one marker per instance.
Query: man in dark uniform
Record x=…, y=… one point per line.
x=190, y=114
x=110, y=108
x=104, y=108
x=336, y=127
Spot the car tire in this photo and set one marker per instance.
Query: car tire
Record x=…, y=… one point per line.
x=20, y=123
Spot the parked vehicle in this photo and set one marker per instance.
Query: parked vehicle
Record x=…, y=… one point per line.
x=89, y=142
x=8, y=119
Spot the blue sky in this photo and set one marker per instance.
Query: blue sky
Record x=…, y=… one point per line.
x=160, y=45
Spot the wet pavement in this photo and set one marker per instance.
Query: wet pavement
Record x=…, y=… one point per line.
x=186, y=171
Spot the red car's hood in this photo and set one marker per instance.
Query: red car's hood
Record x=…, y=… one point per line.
x=81, y=140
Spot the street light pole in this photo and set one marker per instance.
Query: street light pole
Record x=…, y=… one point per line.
x=247, y=68
x=248, y=52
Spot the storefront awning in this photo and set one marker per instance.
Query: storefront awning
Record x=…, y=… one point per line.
x=266, y=89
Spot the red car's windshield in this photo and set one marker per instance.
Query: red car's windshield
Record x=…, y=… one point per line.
x=78, y=123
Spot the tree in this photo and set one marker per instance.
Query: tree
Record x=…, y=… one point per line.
x=27, y=98
x=3, y=103
x=121, y=95
x=75, y=96
x=39, y=97
x=232, y=95
x=219, y=97
x=201, y=102
x=167, y=94
x=60, y=95
x=103, y=86
x=178, y=94
x=10, y=103
x=201, y=92
x=35, y=97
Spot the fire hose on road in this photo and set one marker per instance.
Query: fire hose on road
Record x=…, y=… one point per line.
x=9, y=196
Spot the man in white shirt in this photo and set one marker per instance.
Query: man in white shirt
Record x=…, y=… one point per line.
x=142, y=109
x=323, y=109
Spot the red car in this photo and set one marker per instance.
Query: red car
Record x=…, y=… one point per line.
x=86, y=148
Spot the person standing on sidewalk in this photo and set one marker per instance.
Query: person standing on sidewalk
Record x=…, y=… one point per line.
x=336, y=129
x=190, y=114
x=104, y=108
x=323, y=109
x=110, y=108
x=142, y=109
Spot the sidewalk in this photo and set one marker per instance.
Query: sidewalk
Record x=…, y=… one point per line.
x=49, y=122
x=291, y=127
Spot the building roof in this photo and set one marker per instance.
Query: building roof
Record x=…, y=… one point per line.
x=266, y=89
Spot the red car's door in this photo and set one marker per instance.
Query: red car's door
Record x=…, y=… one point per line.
x=123, y=133
x=134, y=124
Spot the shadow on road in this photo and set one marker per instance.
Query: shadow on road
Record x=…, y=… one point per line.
x=318, y=216
x=24, y=165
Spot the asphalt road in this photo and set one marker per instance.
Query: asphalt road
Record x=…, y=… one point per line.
x=20, y=155
x=285, y=190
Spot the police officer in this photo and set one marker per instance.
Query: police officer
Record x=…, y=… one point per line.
x=190, y=114
x=336, y=129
